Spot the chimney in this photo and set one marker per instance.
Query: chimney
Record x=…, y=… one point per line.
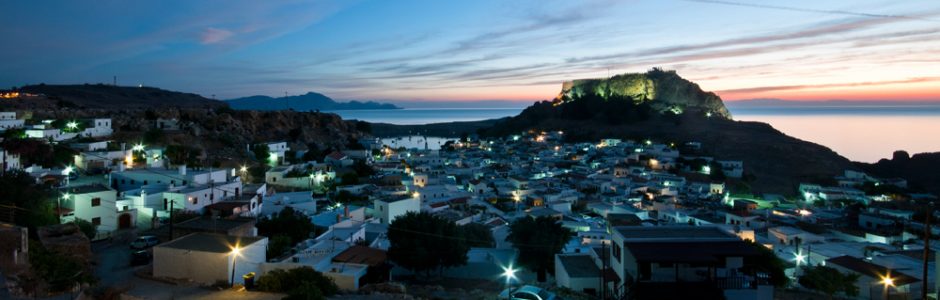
x=183, y=170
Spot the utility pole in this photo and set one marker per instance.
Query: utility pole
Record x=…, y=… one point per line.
x=923, y=290
x=603, y=270
x=171, y=219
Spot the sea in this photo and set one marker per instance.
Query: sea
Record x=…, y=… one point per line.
x=860, y=133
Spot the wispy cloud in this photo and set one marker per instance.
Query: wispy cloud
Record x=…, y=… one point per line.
x=813, y=10
x=764, y=89
x=214, y=35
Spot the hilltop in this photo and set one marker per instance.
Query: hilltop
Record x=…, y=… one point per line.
x=307, y=102
x=662, y=106
x=110, y=96
x=663, y=91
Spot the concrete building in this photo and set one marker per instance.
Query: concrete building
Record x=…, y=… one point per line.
x=578, y=272
x=8, y=121
x=97, y=204
x=677, y=262
x=386, y=210
x=208, y=258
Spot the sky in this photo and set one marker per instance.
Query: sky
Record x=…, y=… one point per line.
x=477, y=50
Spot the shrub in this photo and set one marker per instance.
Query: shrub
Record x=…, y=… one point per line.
x=298, y=283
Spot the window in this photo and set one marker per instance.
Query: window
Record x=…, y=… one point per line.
x=616, y=252
x=125, y=207
x=95, y=202
x=166, y=204
x=96, y=221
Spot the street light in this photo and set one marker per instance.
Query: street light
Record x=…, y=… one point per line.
x=888, y=282
x=138, y=147
x=72, y=125
x=234, y=254
x=510, y=274
x=800, y=259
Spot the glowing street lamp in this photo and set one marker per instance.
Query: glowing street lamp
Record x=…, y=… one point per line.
x=800, y=258
x=244, y=169
x=888, y=282
x=138, y=147
x=234, y=254
x=510, y=274
x=71, y=125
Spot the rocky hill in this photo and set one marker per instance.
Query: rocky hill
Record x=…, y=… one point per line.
x=218, y=132
x=307, y=102
x=118, y=97
x=662, y=90
x=643, y=106
x=920, y=170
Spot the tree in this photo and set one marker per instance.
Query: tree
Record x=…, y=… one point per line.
x=279, y=244
x=829, y=281
x=30, y=204
x=180, y=154
x=87, y=228
x=261, y=152
x=422, y=242
x=538, y=240
x=298, y=283
x=349, y=178
x=289, y=223
x=61, y=272
x=478, y=235
x=768, y=262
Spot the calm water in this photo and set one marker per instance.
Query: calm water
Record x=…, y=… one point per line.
x=411, y=116
x=865, y=133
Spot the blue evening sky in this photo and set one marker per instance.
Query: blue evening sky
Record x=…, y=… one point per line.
x=480, y=49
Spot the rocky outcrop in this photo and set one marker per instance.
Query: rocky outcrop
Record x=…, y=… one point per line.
x=664, y=91
x=920, y=170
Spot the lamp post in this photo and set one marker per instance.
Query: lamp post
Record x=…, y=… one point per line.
x=509, y=273
x=800, y=259
x=234, y=254
x=888, y=282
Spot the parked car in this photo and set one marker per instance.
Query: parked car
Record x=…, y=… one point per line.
x=141, y=257
x=528, y=292
x=144, y=242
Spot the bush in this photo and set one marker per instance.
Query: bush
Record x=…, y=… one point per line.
x=298, y=283
x=87, y=228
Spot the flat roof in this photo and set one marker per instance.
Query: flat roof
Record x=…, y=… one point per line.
x=579, y=266
x=214, y=223
x=689, y=252
x=210, y=242
x=362, y=255
x=85, y=189
x=674, y=233
x=871, y=270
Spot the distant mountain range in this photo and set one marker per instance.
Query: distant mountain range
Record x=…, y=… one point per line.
x=307, y=102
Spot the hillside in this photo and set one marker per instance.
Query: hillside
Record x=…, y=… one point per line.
x=589, y=110
x=219, y=133
x=920, y=170
x=116, y=97
x=307, y=102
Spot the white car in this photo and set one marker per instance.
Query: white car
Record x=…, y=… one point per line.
x=528, y=292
